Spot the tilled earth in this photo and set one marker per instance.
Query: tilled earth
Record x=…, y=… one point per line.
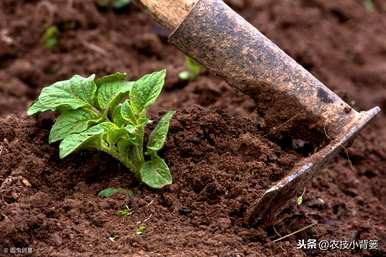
x=219, y=157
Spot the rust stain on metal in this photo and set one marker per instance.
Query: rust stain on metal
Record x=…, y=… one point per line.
x=324, y=96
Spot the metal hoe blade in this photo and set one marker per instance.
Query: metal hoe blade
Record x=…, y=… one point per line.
x=221, y=40
x=274, y=199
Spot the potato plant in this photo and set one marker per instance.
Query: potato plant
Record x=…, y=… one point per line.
x=109, y=114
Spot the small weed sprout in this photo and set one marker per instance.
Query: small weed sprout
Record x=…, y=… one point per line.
x=50, y=37
x=300, y=199
x=140, y=230
x=193, y=69
x=109, y=114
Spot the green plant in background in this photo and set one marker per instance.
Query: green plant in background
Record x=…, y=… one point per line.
x=117, y=4
x=193, y=69
x=50, y=37
x=109, y=114
x=369, y=5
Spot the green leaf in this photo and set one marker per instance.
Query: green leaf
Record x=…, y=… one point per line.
x=111, y=89
x=71, y=122
x=115, y=77
x=117, y=116
x=131, y=129
x=127, y=113
x=108, y=192
x=193, y=67
x=75, y=141
x=146, y=90
x=158, y=135
x=155, y=173
x=117, y=134
x=71, y=94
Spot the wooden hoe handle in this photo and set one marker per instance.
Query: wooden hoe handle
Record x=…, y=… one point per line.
x=169, y=13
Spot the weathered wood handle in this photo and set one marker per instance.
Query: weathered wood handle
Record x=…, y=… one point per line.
x=169, y=13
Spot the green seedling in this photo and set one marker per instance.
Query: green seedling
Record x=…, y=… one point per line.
x=117, y=4
x=300, y=199
x=193, y=69
x=50, y=37
x=140, y=230
x=109, y=114
x=125, y=212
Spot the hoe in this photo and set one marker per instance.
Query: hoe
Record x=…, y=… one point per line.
x=218, y=38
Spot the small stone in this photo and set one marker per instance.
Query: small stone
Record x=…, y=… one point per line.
x=298, y=143
x=26, y=182
x=173, y=188
x=224, y=223
x=317, y=203
x=56, y=239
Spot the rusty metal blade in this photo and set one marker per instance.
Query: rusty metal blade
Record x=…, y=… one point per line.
x=277, y=197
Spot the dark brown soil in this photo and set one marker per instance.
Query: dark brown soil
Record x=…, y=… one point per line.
x=220, y=159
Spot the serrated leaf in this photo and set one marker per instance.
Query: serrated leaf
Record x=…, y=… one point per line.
x=146, y=90
x=155, y=173
x=75, y=141
x=158, y=135
x=108, y=192
x=71, y=94
x=111, y=89
x=71, y=122
x=131, y=129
